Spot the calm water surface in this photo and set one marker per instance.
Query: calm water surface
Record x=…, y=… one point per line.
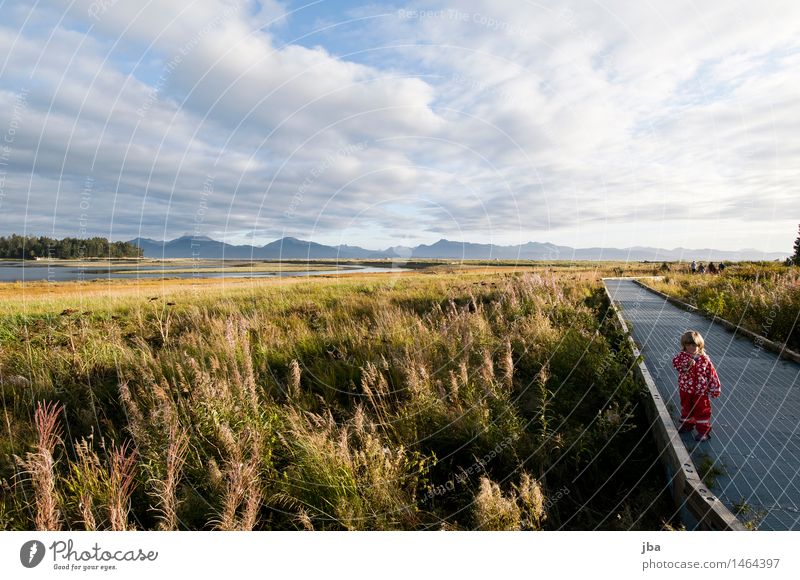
x=31, y=272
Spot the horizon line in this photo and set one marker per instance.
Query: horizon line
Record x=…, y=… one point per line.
x=677, y=248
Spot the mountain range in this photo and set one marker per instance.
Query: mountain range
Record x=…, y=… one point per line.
x=288, y=248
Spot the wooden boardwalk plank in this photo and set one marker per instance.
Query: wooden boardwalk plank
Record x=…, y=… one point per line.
x=756, y=421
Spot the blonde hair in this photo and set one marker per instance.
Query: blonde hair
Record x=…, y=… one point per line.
x=693, y=337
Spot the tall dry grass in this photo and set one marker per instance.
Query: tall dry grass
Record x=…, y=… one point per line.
x=39, y=466
x=327, y=405
x=522, y=508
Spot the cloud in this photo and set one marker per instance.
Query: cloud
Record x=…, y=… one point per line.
x=504, y=121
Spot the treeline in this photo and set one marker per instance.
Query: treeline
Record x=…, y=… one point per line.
x=31, y=247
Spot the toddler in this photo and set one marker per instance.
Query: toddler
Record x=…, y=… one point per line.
x=697, y=381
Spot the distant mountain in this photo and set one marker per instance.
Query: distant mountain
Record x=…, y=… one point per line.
x=288, y=248
x=292, y=248
x=469, y=251
x=203, y=247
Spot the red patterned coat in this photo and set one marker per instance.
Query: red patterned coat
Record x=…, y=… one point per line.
x=698, y=379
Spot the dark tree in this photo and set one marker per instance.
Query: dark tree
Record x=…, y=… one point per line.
x=796, y=258
x=27, y=248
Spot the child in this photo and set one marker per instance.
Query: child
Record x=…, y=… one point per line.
x=697, y=380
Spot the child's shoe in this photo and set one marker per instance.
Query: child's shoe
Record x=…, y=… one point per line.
x=702, y=436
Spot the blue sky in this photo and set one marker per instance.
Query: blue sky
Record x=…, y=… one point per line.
x=378, y=124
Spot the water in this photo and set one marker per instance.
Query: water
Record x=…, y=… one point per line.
x=32, y=272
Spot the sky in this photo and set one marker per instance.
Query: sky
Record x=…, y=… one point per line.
x=612, y=124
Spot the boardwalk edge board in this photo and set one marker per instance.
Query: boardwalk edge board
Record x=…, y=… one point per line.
x=699, y=508
x=776, y=347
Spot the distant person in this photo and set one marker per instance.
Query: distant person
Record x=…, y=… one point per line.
x=712, y=269
x=702, y=268
x=697, y=381
x=693, y=267
x=721, y=267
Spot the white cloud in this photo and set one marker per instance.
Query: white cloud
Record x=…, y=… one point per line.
x=508, y=121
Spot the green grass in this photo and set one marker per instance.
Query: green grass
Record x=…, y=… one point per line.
x=329, y=404
x=763, y=297
x=750, y=517
x=709, y=470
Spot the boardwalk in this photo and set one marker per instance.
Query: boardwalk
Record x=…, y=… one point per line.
x=756, y=422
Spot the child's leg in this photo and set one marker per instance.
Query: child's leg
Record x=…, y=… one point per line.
x=702, y=414
x=687, y=418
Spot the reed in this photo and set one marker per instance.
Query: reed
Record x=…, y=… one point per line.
x=358, y=403
x=40, y=467
x=494, y=510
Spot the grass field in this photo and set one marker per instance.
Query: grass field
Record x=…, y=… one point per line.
x=454, y=397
